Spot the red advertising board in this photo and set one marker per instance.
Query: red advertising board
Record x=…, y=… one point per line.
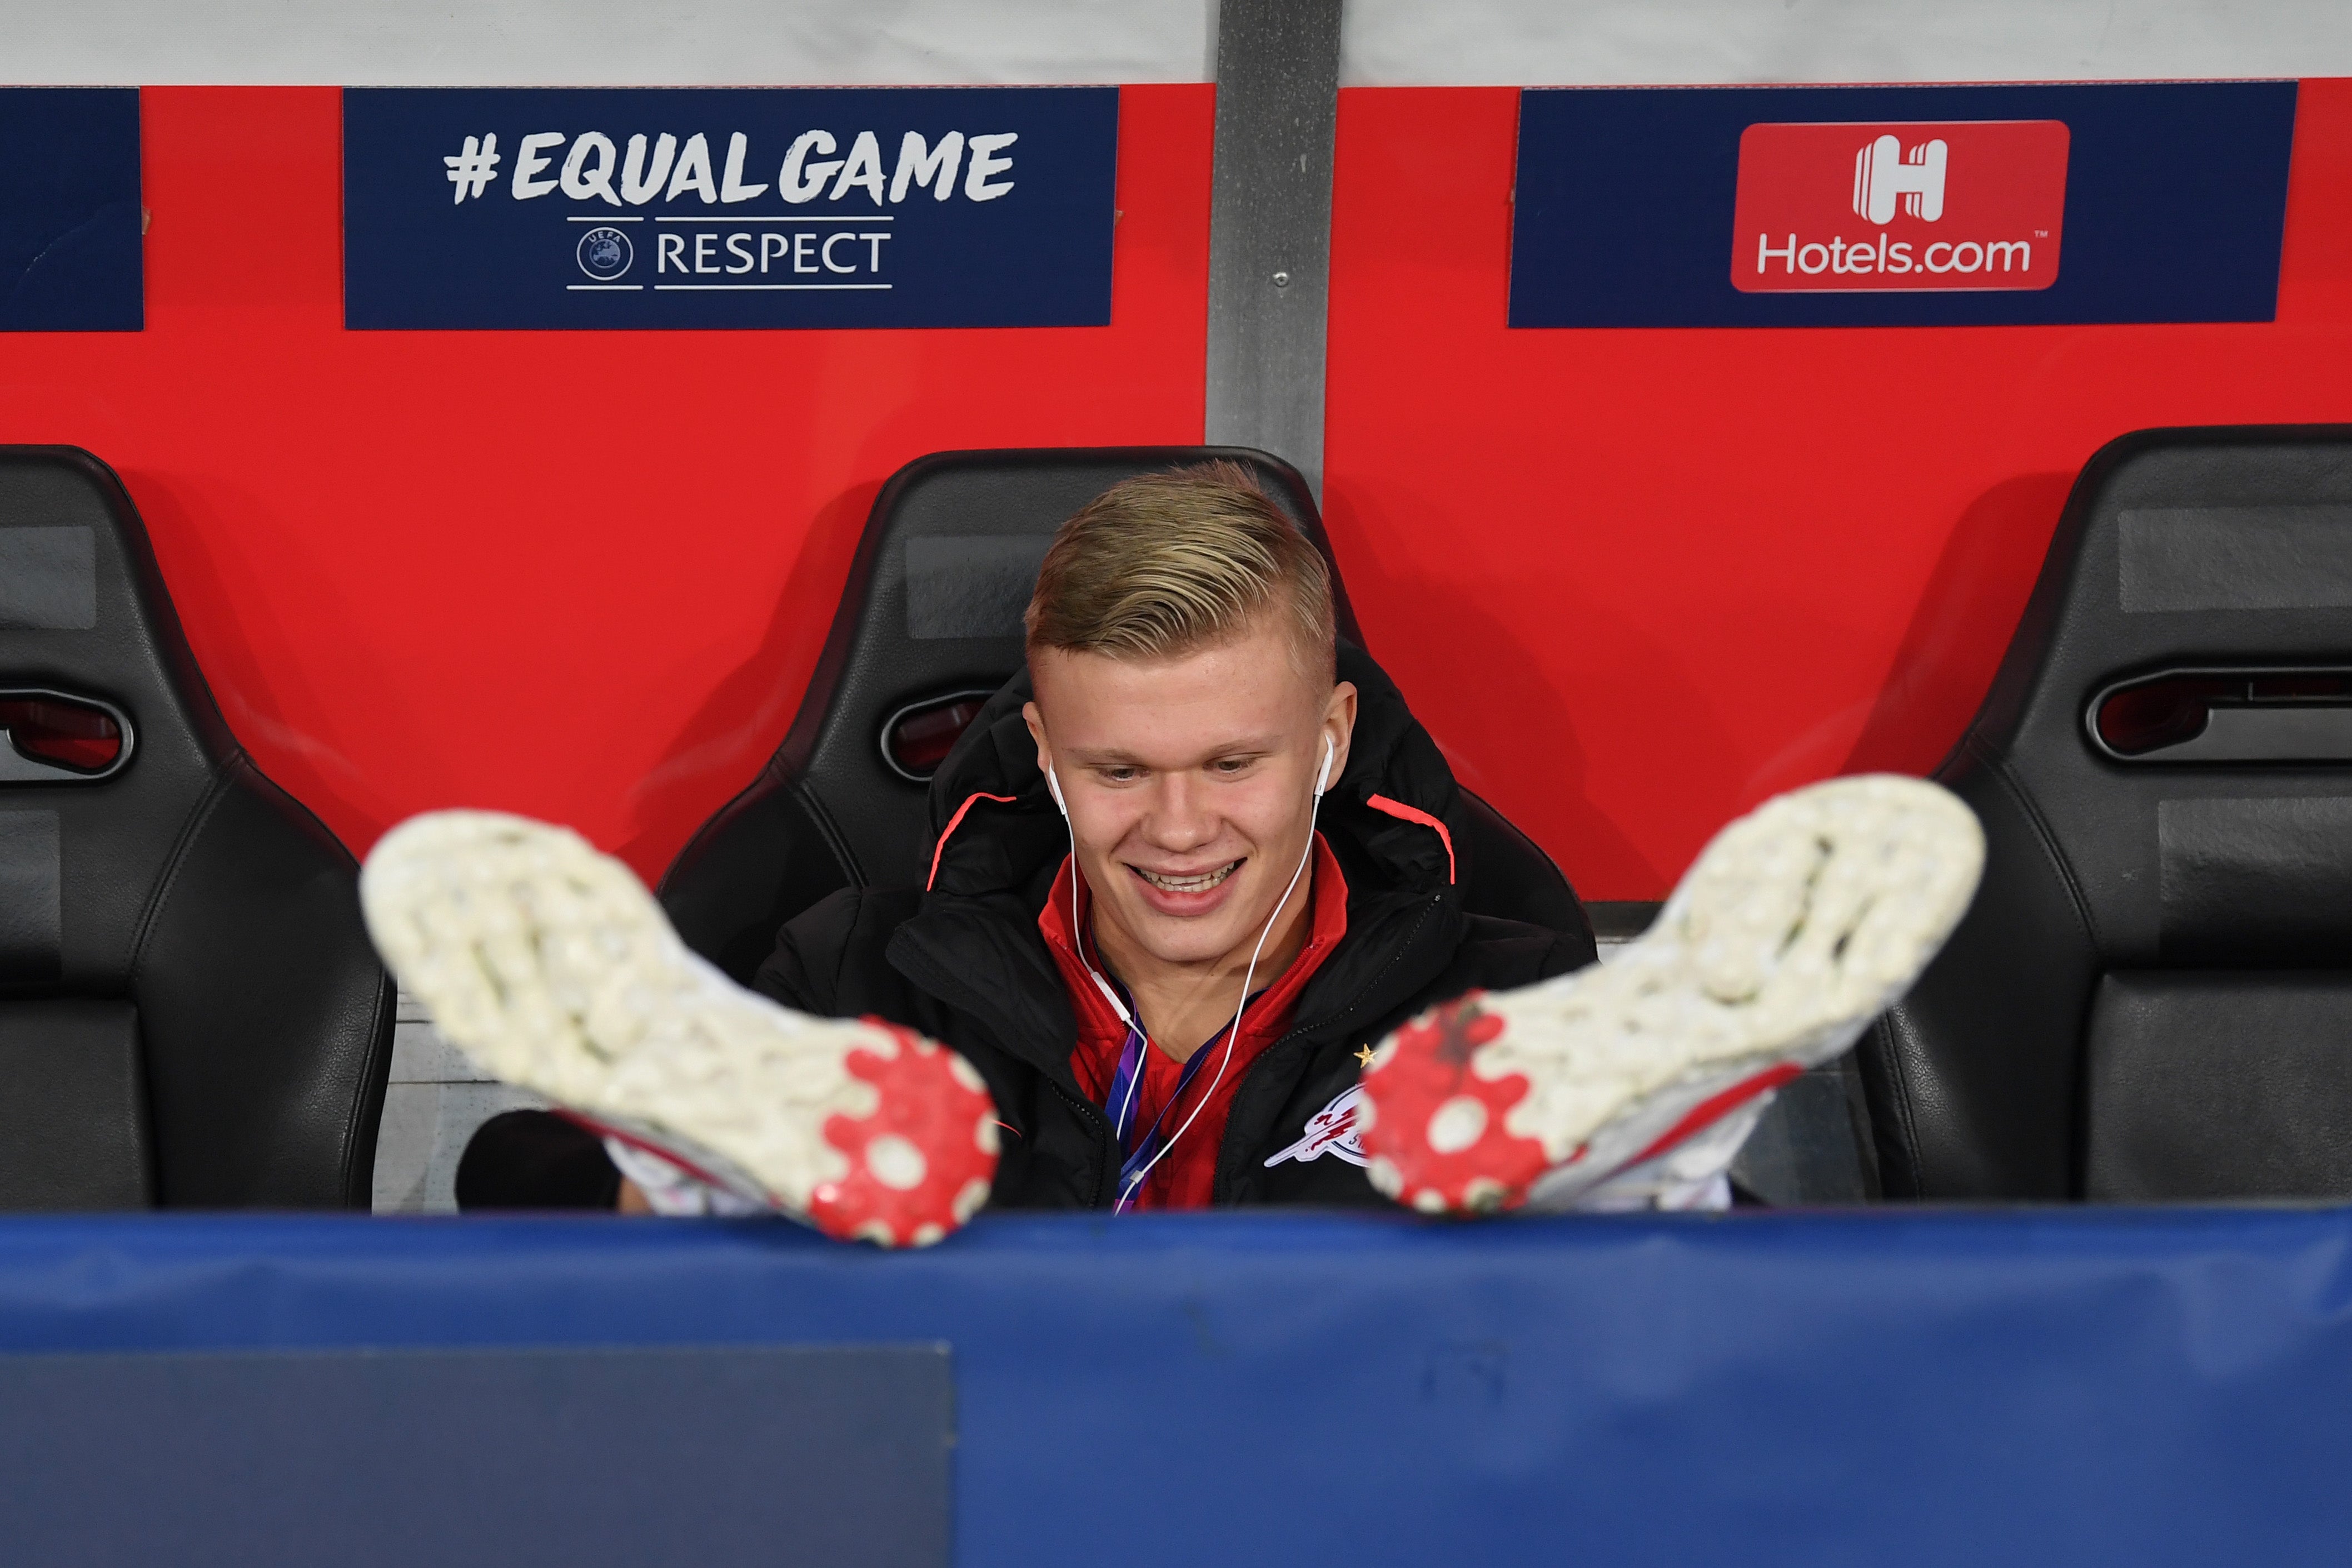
x=1845, y=207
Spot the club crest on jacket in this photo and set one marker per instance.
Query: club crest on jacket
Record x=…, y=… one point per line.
x=1331, y=1130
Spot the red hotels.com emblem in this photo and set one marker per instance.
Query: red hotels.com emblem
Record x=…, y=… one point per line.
x=1849, y=207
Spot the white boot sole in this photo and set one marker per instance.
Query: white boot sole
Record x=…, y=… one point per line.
x=1796, y=926
x=550, y=966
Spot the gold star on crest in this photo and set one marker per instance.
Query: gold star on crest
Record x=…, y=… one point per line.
x=1364, y=1056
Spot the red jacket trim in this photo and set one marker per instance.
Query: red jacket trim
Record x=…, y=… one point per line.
x=1399, y=810
x=957, y=821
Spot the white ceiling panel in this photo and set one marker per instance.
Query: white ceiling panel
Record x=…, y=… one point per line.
x=1567, y=43
x=668, y=43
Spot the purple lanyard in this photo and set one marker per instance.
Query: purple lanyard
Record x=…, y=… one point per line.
x=1124, y=1107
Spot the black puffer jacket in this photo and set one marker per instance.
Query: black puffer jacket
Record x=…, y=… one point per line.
x=964, y=962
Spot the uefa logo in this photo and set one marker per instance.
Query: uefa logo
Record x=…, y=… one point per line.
x=604, y=253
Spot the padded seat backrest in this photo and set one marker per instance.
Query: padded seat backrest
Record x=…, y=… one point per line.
x=931, y=613
x=2169, y=827
x=178, y=917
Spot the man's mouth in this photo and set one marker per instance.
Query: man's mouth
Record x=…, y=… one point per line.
x=1200, y=881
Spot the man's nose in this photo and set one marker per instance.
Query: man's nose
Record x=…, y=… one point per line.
x=1180, y=817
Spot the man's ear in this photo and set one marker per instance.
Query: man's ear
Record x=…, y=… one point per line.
x=1036, y=723
x=1340, y=724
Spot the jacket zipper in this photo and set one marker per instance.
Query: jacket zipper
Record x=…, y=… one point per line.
x=1106, y=1151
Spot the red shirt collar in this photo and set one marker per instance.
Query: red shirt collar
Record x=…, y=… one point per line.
x=1326, y=924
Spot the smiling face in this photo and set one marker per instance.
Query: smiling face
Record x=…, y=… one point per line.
x=1189, y=782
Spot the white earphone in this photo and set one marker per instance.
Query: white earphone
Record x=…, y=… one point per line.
x=1233, y=1030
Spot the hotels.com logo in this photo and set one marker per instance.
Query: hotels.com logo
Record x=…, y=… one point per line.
x=1881, y=172
x=1845, y=207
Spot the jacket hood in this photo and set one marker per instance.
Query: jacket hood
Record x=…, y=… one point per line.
x=1392, y=818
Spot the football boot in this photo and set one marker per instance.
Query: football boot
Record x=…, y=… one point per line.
x=551, y=967
x=1796, y=926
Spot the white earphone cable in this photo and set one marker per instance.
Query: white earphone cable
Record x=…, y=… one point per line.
x=1078, y=942
x=1233, y=1030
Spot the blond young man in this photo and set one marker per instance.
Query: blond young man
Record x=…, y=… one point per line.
x=1191, y=870
x=1184, y=682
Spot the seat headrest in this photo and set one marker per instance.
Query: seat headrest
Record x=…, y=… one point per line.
x=932, y=611
x=81, y=598
x=2206, y=573
x=84, y=614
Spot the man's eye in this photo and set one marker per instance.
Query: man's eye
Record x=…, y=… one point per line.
x=1230, y=765
x=1121, y=774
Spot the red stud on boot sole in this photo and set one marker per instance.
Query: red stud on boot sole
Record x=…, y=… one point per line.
x=1432, y=1129
x=921, y=1164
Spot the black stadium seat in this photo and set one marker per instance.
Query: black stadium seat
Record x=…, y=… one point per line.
x=929, y=625
x=190, y=1012
x=2151, y=998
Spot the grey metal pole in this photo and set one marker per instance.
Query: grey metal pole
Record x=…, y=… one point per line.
x=1270, y=226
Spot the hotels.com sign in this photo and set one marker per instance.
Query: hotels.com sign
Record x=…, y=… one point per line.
x=1899, y=206
x=1932, y=205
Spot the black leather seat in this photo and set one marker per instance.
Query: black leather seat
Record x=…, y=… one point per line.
x=2152, y=997
x=191, y=1014
x=930, y=624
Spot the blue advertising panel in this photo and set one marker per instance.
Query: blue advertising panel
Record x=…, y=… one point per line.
x=1889, y=206
x=565, y=207
x=69, y=222
x=394, y=1458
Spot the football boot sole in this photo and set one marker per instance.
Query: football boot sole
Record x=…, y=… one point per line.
x=552, y=968
x=1797, y=924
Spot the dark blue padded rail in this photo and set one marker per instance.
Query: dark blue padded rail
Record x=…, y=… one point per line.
x=1959, y=1388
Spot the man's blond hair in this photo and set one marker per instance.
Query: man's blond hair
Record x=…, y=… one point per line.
x=1163, y=564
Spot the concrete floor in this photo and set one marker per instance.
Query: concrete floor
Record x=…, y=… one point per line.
x=435, y=1100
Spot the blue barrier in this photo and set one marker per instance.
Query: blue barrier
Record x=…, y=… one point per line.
x=1923, y=1386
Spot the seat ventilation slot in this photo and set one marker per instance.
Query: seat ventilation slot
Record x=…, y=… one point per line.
x=918, y=737
x=49, y=737
x=2237, y=715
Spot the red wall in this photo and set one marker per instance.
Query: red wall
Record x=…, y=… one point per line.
x=1636, y=581
x=580, y=575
